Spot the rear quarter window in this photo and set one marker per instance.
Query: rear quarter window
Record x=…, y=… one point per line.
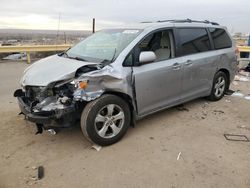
x=193, y=40
x=220, y=38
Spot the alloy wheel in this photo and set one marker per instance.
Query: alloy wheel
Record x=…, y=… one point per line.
x=109, y=121
x=219, y=86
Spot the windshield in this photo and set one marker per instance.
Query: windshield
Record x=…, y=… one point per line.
x=104, y=45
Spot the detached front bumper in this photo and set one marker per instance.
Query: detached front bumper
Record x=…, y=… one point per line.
x=35, y=117
x=55, y=118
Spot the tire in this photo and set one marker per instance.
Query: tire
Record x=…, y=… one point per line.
x=220, y=85
x=105, y=120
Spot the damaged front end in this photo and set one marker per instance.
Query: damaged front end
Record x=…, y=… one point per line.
x=60, y=103
x=48, y=106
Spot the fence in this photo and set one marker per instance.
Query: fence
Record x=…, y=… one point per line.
x=51, y=48
x=35, y=48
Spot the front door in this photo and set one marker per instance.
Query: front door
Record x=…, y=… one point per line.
x=157, y=84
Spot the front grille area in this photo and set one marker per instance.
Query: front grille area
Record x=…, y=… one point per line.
x=36, y=93
x=32, y=92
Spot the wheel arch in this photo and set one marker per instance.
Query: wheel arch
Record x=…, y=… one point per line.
x=227, y=74
x=127, y=99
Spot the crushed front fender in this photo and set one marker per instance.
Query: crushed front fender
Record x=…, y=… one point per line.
x=102, y=80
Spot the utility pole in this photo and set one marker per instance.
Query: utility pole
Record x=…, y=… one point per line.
x=65, y=40
x=93, y=26
x=58, y=28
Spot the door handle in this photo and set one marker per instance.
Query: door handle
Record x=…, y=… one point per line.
x=188, y=62
x=176, y=66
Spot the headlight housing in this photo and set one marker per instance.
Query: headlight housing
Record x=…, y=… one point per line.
x=80, y=84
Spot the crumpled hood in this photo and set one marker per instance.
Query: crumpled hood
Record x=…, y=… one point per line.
x=51, y=69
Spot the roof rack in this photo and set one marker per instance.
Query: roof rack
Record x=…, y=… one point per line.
x=189, y=21
x=147, y=22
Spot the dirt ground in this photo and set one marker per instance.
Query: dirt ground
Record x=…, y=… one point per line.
x=145, y=157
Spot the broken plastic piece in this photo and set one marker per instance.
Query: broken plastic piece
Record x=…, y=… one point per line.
x=236, y=137
x=178, y=157
x=97, y=148
x=237, y=94
x=243, y=73
x=40, y=172
x=219, y=111
x=241, y=78
x=247, y=97
x=52, y=131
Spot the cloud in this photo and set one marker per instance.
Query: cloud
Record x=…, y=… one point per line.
x=76, y=14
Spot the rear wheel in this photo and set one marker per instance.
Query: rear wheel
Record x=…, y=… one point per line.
x=220, y=84
x=105, y=120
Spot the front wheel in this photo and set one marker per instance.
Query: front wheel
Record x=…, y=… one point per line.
x=105, y=120
x=220, y=84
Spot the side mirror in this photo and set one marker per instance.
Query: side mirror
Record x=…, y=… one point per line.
x=147, y=57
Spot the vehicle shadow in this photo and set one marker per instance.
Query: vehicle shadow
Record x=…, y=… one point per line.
x=73, y=138
x=74, y=134
x=164, y=114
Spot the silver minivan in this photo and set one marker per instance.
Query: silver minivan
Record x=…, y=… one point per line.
x=117, y=76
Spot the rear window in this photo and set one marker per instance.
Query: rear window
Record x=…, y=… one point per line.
x=193, y=40
x=220, y=38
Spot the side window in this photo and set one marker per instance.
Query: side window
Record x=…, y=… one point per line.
x=161, y=43
x=128, y=62
x=220, y=38
x=193, y=40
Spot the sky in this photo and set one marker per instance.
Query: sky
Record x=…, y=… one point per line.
x=78, y=14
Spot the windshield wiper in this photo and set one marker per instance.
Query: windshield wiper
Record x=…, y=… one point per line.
x=63, y=53
x=76, y=58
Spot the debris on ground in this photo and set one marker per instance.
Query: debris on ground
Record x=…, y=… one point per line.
x=247, y=97
x=243, y=127
x=36, y=174
x=237, y=94
x=236, y=137
x=218, y=112
x=96, y=147
x=241, y=78
x=40, y=172
x=52, y=131
x=244, y=73
x=240, y=95
x=178, y=157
